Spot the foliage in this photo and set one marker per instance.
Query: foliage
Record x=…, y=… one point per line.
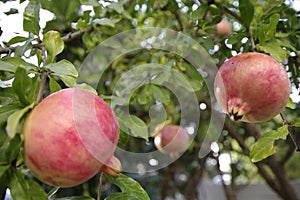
x=48, y=59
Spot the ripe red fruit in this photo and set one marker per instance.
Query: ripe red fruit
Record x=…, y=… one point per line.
x=172, y=140
x=223, y=27
x=68, y=137
x=252, y=87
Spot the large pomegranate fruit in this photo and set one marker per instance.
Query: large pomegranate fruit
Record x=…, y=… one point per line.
x=172, y=140
x=69, y=137
x=252, y=87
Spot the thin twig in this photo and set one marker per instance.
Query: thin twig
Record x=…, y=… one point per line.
x=252, y=42
x=67, y=38
x=285, y=122
x=100, y=186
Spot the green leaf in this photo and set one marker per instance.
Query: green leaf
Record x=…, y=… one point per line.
x=76, y=198
x=13, y=120
x=63, y=67
x=247, y=11
x=105, y=22
x=296, y=122
x=200, y=12
x=7, y=110
x=267, y=31
x=118, y=7
x=264, y=146
x=69, y=81
x=32, y=17
x=86, y=87
x=161, y=94
x=20, y=50
x=137, y=127
x=53, y=45
x=22, y=188
x=274, y=50
x=13, y=148
x=3, y=169
x=54, y=86
x=19, y=62
x=16, y=39
x=22, y=85
x=130, y=188
x=5, y=66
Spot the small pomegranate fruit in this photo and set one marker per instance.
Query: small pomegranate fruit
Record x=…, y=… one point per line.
x=223, y=27
x=252, y=87
x=68, y=137
x=172, y=140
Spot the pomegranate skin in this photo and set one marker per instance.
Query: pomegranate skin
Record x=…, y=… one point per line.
x=223, y=27
x=172, y=140
x=55, y=147
x=252, y=87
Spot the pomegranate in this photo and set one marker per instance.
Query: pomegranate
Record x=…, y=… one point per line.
x=69, y=136
x=223, y=27
x=112, y=167
x=252, y=87
x=172, y=140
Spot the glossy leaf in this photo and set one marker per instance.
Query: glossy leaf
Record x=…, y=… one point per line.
x=22, y=85
x=53, y=45
x=7, y=110
x=264, y=146
x=247, y=11
x=31, y=17
x=5, y=66
x=135, y=125
x=63, y=67
x=296, y=122
x=267, y=31
x=22, y=188
x=3, y=169
x=274, y=49
x=104, y=22
x=130, y=188
x=54, y=86
x=13, y=120
x=76, y=198
x=16, y=39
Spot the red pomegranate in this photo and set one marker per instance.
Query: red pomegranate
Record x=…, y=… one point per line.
x=252, y=87
x=172, y=140
x=69, y=137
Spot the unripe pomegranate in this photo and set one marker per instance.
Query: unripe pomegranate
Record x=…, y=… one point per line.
x=252, y=87
x=172, y=140
x=68, y=137
x=223, y=27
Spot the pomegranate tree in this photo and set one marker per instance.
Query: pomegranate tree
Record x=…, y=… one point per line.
x=69, y=137
x=252, y=87
x=172, y=140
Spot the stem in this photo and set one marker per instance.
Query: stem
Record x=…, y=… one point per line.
x=100, y=186
x=251, y=39
x=285, y=122
x=39, y=96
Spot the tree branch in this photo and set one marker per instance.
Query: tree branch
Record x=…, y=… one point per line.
x=67, y=38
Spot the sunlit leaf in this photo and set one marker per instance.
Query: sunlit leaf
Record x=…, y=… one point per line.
x=247, y=11
x=53, y=44
x=76, y=198
x=14, y=120
x=54, y=86
x=63, y=67
x=105, y=22
x=16, y=39
x=264, y=146
x=296, y=122
x=22, y=188
x=130, y=188
x=31, y=17
x=22, y=85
